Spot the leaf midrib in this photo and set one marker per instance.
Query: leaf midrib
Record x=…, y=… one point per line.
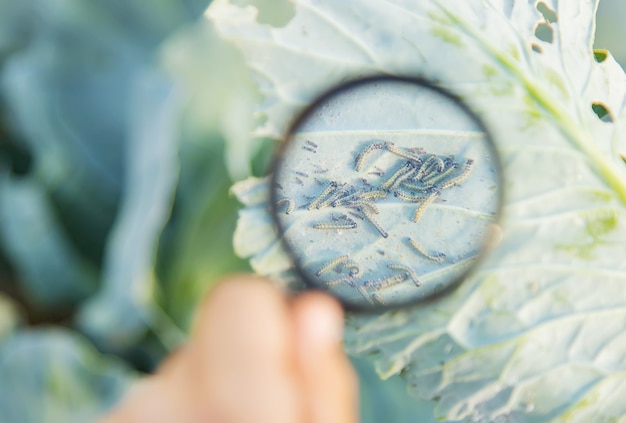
x=567, y=126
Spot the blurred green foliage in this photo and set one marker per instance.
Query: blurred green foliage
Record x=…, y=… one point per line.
x=122, y=126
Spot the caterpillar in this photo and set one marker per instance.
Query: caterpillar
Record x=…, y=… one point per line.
x=418, y=187
x=441, y=176
x=332, y=198
x=348, y=198
x=407, y=197
x=374, y=223
x=331, y=265
x=364, y=205
x=329, y=189
x=340, y=281
x=387, y=282
x=438, y=258
x=403, y=178
x=408, y=271
x=424, y=167
x=360, y=159
x=347, y=224
x=398, y=152
x=461, y=177
x=376, y=194
x=354, y=268
x=427, y=201
x=392, y=179
x=291, y=205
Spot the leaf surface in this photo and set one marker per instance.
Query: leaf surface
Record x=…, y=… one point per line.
x=53, y=273
x=55, y=376
x=126, y=306
x=536, y=333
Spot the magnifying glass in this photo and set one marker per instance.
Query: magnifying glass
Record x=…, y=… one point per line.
x=385, y=192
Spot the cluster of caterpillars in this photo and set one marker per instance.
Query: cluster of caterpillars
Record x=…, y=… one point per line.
x=420, y=178
x=347, y=272
x=416, y=177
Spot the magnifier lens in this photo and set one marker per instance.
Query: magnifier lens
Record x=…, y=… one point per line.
x=385, y=192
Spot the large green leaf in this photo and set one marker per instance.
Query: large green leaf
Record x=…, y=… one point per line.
x=536, y=333
x=51, y=376
x=67, y=91
x=52, y=271
x=67, y=69
x=387, y=400
x=125, y=307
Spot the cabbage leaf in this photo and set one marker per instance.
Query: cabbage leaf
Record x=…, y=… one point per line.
x=536, y=333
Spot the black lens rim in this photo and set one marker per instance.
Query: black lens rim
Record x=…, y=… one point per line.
x=303, y=116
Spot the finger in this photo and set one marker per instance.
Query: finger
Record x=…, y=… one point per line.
x=329, y=382
x=152, y=400
x=244, y=354
x=164, y=397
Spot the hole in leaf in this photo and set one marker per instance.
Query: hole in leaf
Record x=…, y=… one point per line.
x=544, y=32
x=600, y=55
x=602, y=111
x=536, y=48
x=548, y=14
x=276, y=13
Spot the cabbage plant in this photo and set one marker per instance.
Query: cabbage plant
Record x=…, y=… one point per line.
x=535, y=334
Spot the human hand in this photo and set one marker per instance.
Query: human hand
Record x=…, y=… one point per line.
x=254, y=356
